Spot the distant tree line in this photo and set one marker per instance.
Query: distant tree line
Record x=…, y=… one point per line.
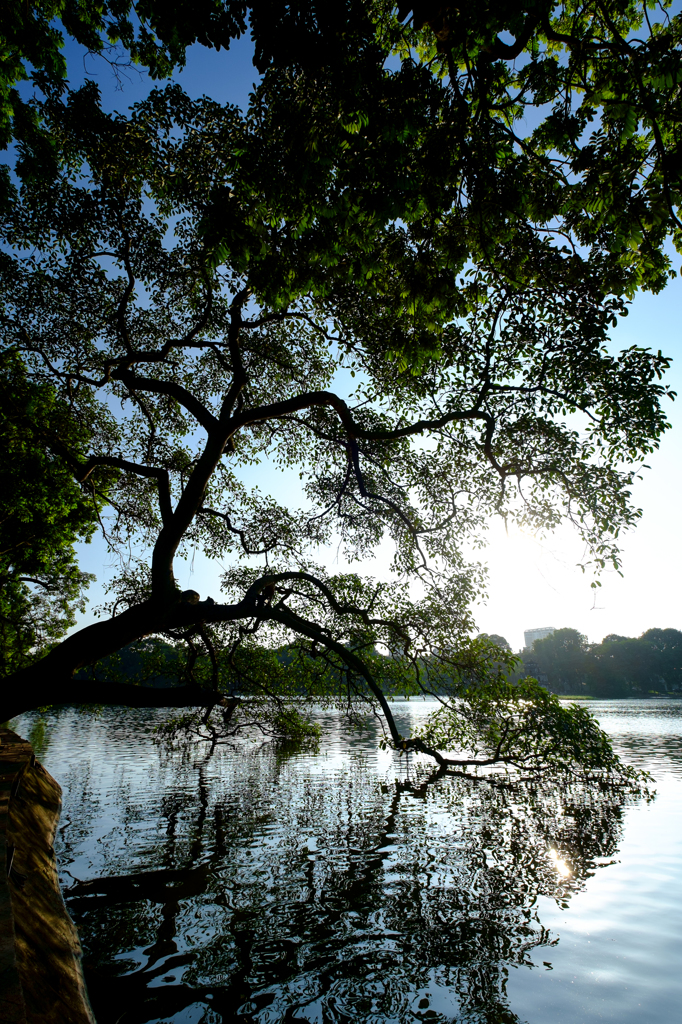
x=620, y=666
x=565, y=662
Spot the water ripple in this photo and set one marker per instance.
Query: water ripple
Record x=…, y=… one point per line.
x=255, y=886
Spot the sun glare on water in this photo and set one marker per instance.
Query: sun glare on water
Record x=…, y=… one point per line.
x=560, y=866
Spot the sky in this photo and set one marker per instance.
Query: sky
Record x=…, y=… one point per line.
x=537, y=583
x=532, y=581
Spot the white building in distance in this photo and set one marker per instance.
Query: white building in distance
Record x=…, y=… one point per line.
x=531, y=635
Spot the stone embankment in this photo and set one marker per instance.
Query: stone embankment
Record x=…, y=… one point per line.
x=41, y=979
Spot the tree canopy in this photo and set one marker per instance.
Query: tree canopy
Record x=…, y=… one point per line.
x=443, y=137
x=375, y=279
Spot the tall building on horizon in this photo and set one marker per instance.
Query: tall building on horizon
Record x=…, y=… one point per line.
x=531, y=635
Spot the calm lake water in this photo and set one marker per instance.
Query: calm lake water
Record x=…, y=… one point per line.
x=256, y=886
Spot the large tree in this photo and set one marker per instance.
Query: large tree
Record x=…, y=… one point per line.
x=373, y=279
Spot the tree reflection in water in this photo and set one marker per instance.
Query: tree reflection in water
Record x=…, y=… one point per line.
x=286, y=895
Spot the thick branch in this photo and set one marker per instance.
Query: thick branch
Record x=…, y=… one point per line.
x=509, y=51
x=175, y=527
x=280, y=613
x=233, y=341
x=51, y=679
x=172, y=390
x=312, y=399
x=84, y=470
x=193, y=493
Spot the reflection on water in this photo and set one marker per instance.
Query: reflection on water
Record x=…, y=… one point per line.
x=335, y=887
x=646, y=733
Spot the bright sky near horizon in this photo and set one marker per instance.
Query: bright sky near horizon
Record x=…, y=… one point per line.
x=532, y=582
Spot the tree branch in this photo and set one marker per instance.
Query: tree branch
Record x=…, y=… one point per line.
x=161, y=476
x=312, y=399
x=171, y=389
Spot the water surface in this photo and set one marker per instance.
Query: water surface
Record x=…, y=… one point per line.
x=264, y=886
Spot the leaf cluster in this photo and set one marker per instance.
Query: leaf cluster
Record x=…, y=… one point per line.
x=43, y=514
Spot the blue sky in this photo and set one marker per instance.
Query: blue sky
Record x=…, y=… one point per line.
x=532, y=582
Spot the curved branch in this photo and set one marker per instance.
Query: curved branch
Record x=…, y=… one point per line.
x=509, y=51
x=161, y=476
x=287, y=617
x=233, y=529
x=312, y=399
x=255, y=589
x=172, y=390
x=411, y=528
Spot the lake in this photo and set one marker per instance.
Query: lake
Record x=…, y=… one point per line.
x=261, y=885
